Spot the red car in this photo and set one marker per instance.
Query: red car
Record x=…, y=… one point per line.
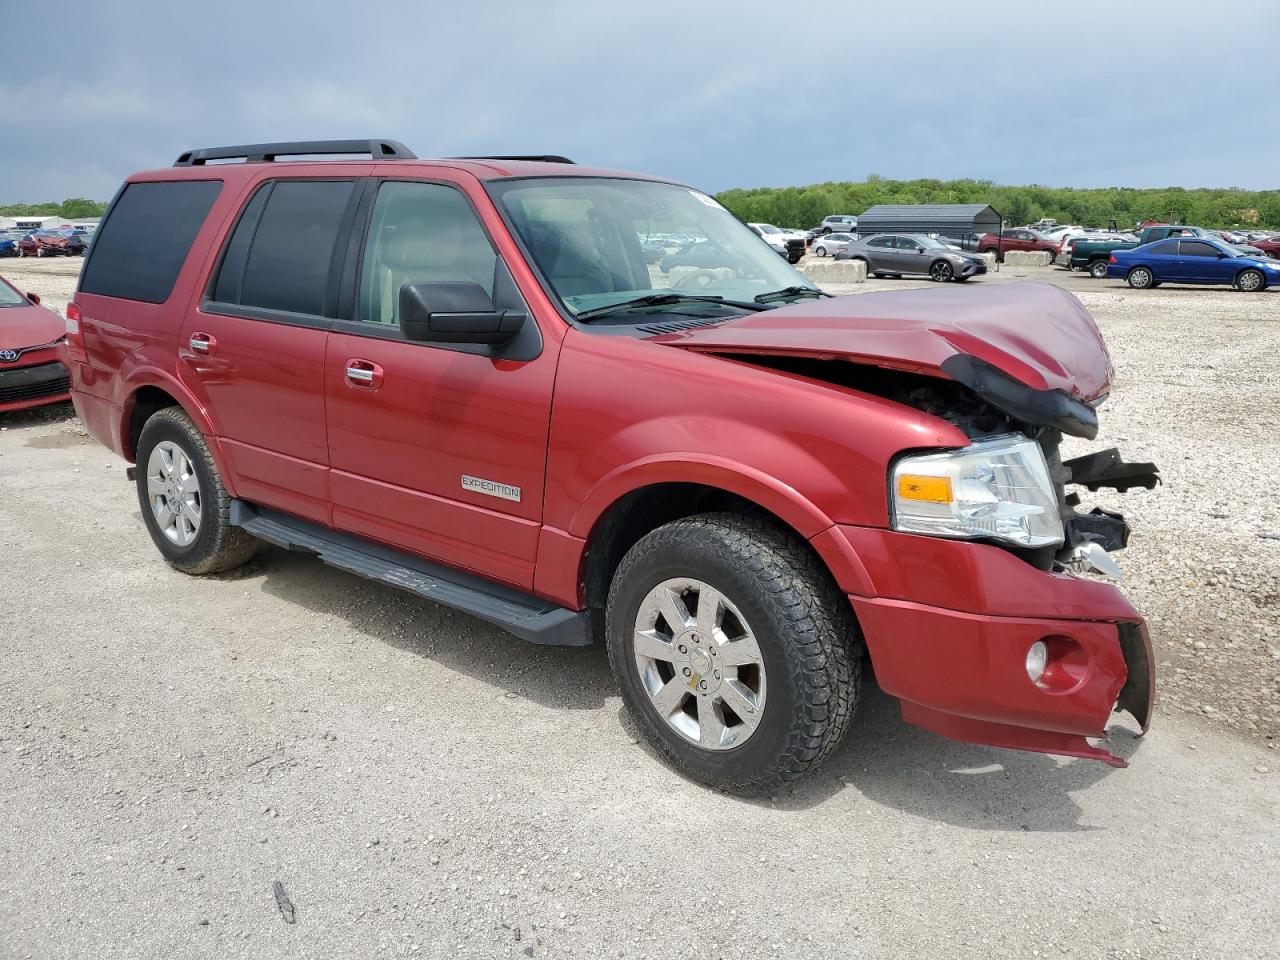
x=50, y=243
x=460, y=377
x=1270, y=247
x=30, y=371
x=1019, y=239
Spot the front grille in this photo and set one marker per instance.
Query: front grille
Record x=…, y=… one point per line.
x=32, y=383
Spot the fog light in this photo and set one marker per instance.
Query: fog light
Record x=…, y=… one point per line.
x=1037, y=658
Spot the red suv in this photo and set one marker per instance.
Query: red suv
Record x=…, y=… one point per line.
x=1020, y=239
x=461, y=377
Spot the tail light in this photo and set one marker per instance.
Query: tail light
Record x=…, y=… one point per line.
x=1112, y=259
x=75, y=334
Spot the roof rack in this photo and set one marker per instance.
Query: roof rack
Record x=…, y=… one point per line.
x=268, y=152
x=541, y=158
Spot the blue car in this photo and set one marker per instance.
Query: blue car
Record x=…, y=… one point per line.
x=8, y=248
x=1192, y=260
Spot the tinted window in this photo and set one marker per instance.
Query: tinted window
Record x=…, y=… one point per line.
x=1197, y=248
x=880, y=242
x=290, y=247
x=1168, y=248
x=144, y=241
x=420, y=233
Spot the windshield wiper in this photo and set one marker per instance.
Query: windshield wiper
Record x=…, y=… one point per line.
x=662, y=299
x=785, y=292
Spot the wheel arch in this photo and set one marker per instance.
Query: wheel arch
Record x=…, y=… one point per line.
x=148, y=391
x=1243, y=270
x=631, y=515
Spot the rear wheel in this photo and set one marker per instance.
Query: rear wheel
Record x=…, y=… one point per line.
x=1098, y=269
x=820, y=251
x=940, y=271
x=735, y=653
x=1251, y=281
x=184, y=504
x=1140, y=278
x=994, y=251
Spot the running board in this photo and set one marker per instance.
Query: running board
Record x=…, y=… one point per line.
x=522, y=614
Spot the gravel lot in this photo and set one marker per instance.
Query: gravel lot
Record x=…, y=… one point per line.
x=423, y=785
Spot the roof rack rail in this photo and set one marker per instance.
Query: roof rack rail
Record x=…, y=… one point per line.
x=268, y=152
x=542, y=158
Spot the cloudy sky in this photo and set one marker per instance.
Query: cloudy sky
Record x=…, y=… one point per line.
x=717, y=94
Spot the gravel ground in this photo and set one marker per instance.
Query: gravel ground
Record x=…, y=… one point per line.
x=424, y=785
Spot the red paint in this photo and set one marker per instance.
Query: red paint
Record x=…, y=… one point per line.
x=33, y=333
x=593, y=418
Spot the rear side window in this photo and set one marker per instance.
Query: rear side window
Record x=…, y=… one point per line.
x=1169, y=248
x=280, y=253
x=144, y=241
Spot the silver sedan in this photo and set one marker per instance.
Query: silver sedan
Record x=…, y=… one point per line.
x=898, y=254
x=833, y=243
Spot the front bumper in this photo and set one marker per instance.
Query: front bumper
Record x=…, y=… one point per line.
x=948, y=625
x=973, y=269
x=34, y=383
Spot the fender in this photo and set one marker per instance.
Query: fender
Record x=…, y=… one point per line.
x=201, y=416
x=710, y=471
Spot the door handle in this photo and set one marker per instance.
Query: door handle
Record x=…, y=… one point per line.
x=203, y=343
x=363, y=373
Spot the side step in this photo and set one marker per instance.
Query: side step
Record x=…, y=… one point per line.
x=526, y=616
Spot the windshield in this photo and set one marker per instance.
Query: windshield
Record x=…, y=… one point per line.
x=9, y=297
x=599, y=242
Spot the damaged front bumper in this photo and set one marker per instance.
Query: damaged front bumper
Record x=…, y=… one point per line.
x=948, y=625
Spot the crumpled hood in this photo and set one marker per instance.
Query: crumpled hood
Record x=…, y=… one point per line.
x=1035, y=333
x=28, y=326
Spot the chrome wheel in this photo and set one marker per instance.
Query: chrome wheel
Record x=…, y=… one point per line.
x=941, y=271
x=173, y=490
x=699, y=663
x=1250, y=281
x=1140, y=278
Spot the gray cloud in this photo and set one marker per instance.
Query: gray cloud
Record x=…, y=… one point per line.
x=718, y=94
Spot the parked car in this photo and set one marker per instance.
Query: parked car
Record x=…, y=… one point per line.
x=841, y=223
x=8, y=248
x=1016, y=239
x=31, y=373
x=1094, y=255
x=898, y=254
x=832, y=243
x=1271, y=247
x=1192, y=260
x=456, y=377
x=50, y=243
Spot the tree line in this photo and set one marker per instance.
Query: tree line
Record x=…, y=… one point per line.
x=1095, y=207
x=73, y=209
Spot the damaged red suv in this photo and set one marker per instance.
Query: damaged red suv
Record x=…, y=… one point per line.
x=462, y=378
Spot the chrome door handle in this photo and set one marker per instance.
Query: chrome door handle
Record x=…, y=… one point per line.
x=202, y=343
x=356, y=373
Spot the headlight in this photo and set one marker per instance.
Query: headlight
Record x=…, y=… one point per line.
x=996, y=489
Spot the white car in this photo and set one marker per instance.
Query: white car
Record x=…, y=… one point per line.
x=833, y=243
x=782, y=233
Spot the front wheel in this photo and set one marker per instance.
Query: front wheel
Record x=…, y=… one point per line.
x=736, y=655
x=1251, y=281
x=941, y=271
x=184, y=504
x=1140, y=278
x=1098, y=269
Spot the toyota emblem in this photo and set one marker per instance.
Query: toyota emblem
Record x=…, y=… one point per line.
x=8, y=356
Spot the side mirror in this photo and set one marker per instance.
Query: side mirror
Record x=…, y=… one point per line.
x=34, y=298
x=455, y=313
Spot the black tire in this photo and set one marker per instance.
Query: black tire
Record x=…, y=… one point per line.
x=826, y=230
x=940, y=271
x=1141, y=278
x=217, y=546
x=820, y=251
x=996, y=251
x=1098, y=269
x=1251, y=281
x=879, y=276
x=803, y=625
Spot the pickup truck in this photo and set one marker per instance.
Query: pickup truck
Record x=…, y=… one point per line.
x=1093, y=255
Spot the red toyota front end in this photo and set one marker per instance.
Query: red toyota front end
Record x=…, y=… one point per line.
x=32, y=373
